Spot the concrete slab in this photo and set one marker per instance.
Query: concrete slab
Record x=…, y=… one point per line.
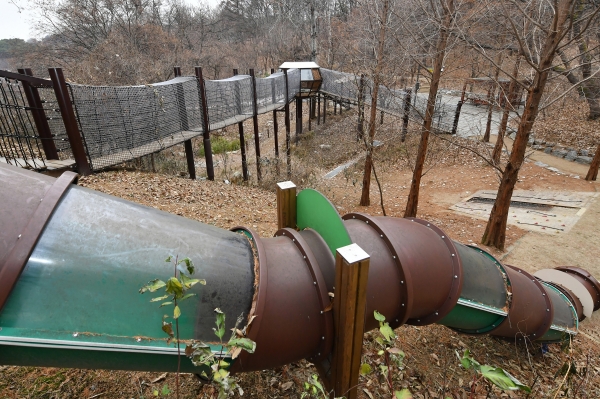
x=542, y=211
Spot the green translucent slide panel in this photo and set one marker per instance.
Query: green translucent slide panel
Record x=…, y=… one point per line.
x=315, y=211
x=565, y=320
x=483, y=300
x=77, y=304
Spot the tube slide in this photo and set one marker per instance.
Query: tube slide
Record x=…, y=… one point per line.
x=72, y=260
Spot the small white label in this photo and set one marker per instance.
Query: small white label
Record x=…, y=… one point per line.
x=284, y=185
x=353, y=253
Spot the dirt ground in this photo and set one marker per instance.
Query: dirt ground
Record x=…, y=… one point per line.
x=431, y=368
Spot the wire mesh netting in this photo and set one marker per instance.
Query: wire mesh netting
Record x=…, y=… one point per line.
x=346, y=86
x=55, y=122
x=229, y=100
x=19, y=143
x=270, y=92
x=126, y=122
x=122, y=123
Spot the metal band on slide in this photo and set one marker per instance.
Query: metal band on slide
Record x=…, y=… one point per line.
x=28, y=237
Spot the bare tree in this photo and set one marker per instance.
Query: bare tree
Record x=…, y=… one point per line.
x=540, y=29
x=379, y=23
x=445, y=15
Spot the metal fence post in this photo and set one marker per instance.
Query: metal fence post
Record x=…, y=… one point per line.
x=298, y=117
x=255, y=125
x=275, y=124
x=68, y=116
x=183, y=118
x=456, y=116
x=318, y=109
x=406, y=114
x=39, y=116
x=287, y=127
x=210, y=170
x=241, y=131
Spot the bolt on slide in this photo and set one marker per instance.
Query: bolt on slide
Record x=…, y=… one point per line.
x=72, y=260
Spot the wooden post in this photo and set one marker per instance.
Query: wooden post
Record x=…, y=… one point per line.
x=275, y=124
x=325, y=100
x=310, y=104
x=288, y=152
x=286, y=205
x=39, y=116
x=298, y=117
x=242, y=138
x=349, y=307
x=210, y=170
x=177, y=71
x=255, y=124
x=189, y=151
x=68, y=116
x=318, y=109
x=406, y=114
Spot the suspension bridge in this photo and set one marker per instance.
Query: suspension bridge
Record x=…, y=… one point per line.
x=53, y=124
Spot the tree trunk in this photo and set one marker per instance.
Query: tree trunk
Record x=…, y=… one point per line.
x=413, y=196
x=507, y=107
x=366, y=186
x=592, y=173
x=591, y=91
x=495, y=231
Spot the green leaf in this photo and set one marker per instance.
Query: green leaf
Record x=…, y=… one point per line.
x=189, y=282
x=387, y=332
x=383, y=368
x=155, y=392
x=165, y=304
x=174, y=287
x=403, y=394
x=467, y=361
x=160, y=298
x=165, y=390
x=186, y=296
x=169, y=259
x=168, y=328
x=365, y=369
x=502, y=379
x=220, y=330
x=152, y=286
x=378, y=316
x=188, y=264
x=176, y=312
x=245, y=343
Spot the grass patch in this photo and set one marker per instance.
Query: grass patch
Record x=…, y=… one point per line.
x=220, y=145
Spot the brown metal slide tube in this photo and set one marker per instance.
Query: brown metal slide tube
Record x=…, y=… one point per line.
x=415, y=275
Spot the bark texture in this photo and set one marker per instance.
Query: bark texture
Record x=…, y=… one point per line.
x=412, y=203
